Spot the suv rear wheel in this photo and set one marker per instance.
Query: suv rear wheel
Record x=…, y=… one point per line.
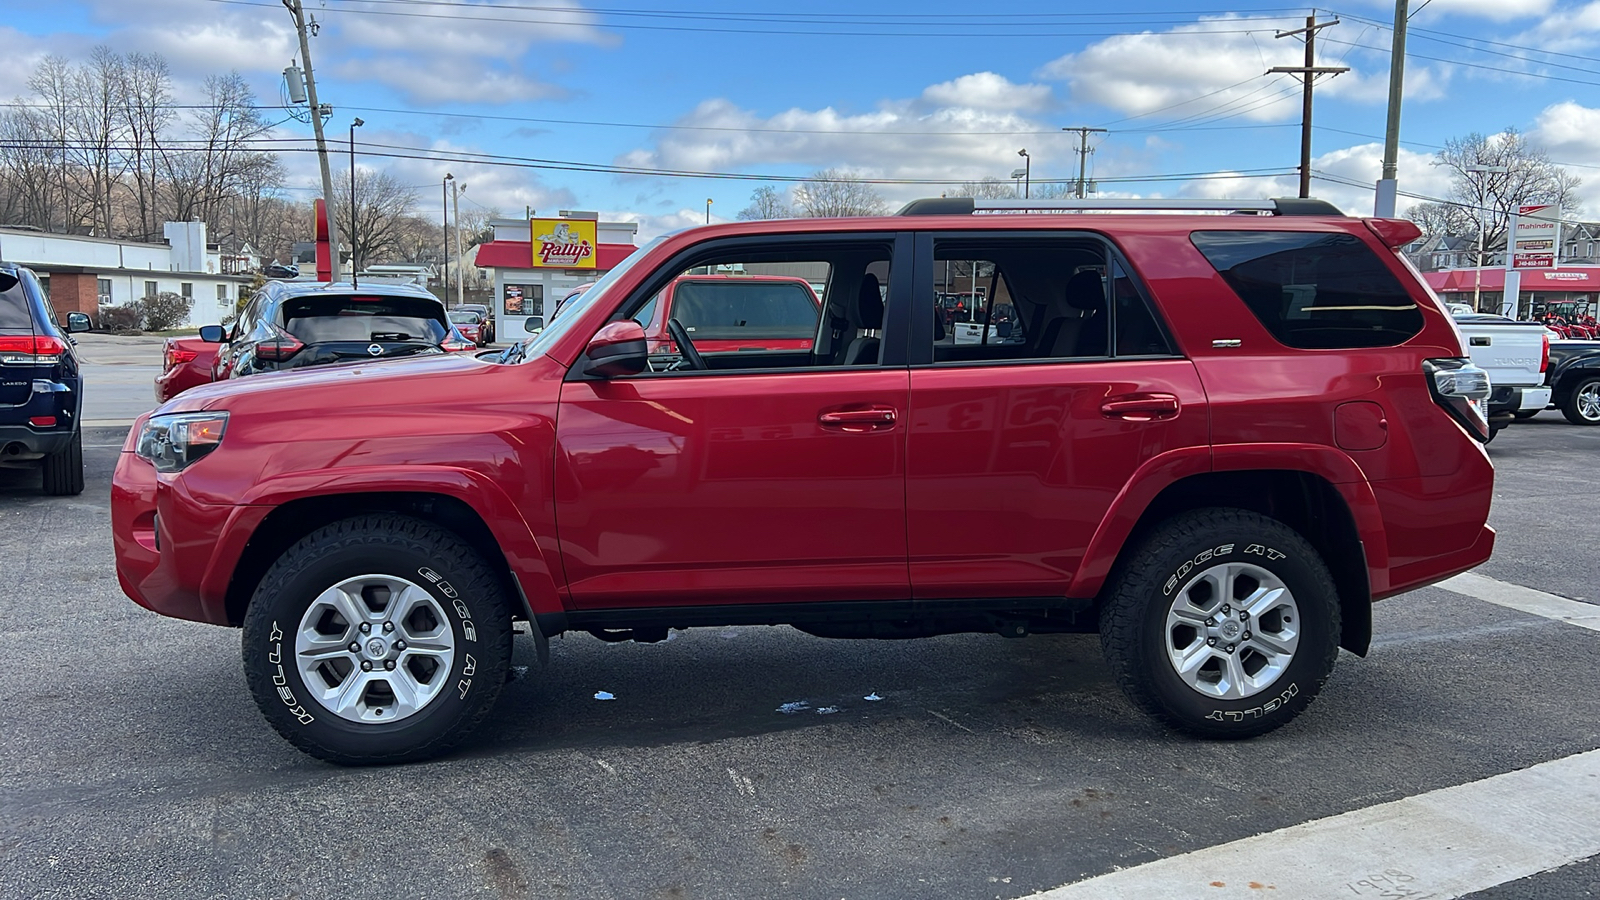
x=1582, y=406
x=63, y=469
x=1225, y=624
x=377, y=639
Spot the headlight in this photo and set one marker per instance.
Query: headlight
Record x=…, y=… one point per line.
x=174, y=442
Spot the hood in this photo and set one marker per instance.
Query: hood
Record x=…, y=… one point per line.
x=387, y=377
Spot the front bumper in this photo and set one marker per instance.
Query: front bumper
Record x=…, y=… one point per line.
x=175, y=555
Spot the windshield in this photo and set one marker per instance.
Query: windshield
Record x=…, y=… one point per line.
x=464, y=318
x=572, y=310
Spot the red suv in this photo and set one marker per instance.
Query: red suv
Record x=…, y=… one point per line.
x=1214, y=439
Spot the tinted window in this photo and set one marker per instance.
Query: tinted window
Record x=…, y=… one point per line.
x=14, y=314
x=737, y=309
x=359, y=318
x=1314, y=290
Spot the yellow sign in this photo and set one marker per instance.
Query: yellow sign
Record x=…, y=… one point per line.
x=563, y=243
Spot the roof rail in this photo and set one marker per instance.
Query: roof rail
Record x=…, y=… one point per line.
x=963, y=206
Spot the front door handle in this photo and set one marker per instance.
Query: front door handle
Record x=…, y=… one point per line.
x=855, y=421
x=1141, y=407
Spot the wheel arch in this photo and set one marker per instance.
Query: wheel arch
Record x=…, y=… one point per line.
x=294, y=519
x=1307, y=502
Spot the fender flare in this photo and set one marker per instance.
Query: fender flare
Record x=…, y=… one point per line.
x=530, y=565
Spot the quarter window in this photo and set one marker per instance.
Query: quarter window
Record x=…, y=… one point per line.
x=1314, y=290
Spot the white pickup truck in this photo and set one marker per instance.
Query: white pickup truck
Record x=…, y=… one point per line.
x=1515, y=354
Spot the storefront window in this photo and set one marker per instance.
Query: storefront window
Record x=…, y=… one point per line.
x=524, y=300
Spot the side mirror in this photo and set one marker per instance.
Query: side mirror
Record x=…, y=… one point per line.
x=77, y=321
x=617, y=349
x=533, y=324
x=211, y=334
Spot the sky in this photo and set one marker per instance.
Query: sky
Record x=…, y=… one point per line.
x=553, y=104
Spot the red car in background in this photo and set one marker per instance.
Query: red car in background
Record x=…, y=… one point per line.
x=470, y=324
x=185, y=362
x=733, y=312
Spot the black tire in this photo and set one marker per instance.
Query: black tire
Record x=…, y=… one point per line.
x=1575, y=407
x=1527, y=413
x=461, y=586
x=63, y=469
x=1135, y=635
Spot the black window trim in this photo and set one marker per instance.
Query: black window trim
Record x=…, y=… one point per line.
x=922, y=345
x=893, y=340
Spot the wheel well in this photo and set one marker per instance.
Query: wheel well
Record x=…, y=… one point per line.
x=1304, y=502
x=294, y=520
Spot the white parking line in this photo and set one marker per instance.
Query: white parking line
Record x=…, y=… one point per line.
x=1444, y=843
x=1528, y=600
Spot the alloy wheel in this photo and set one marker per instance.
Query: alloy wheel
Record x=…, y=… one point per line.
x=1232, y=631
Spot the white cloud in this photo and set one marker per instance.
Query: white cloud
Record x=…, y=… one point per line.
x=987, y=90
x=1494, y=10
x=1568, y=30
x=1362, y=164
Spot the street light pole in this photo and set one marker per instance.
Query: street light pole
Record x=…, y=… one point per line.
x=444, y=191
x=1027, y=171
x=708, y=210
x=456, y=188
x=1477, y=270
x=353, y=267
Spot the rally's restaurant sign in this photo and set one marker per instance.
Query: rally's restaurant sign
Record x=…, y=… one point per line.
x=563, y=243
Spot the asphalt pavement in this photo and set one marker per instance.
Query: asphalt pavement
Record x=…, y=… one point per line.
x=136, y=764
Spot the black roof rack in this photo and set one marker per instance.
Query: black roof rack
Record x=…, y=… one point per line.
x=965, y=206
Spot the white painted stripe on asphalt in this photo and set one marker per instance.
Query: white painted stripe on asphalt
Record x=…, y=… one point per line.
x=1528, y=600
x=1441, y=844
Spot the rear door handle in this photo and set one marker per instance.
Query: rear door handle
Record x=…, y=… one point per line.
x=1141, y=407
x=855, y=421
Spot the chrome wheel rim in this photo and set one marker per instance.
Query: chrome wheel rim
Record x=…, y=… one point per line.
x=1232, y=631
x=1589, y=401
x=374, y=649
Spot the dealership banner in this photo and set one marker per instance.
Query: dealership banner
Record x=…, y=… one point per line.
x=563, y=243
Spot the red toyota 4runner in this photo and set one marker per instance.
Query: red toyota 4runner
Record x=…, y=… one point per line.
x=1214, y=439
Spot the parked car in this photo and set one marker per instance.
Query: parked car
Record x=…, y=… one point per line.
x=1516, y=355
x=485, y=315
x=293, y=325
x=1574, y=380
x=569, y=296
x=470, y=324
x=41, y=389
x=1216, y=442
x=185, y=363
x=745, y=313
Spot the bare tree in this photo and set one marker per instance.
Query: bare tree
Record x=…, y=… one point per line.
x=1529, y=178
x=766, y=203
x=990, y=188
x=146, y=94
x=199, y=180
x=52, y=82
x=375, y=227
x=833, y=192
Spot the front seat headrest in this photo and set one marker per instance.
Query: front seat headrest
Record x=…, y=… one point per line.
x=869, y=302
x=1086, y=291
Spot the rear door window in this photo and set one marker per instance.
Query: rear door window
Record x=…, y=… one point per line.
x=337, y=319
x=15, y=314
x=1314, y=290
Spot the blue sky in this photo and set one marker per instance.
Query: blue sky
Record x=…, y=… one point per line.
x=932, y=91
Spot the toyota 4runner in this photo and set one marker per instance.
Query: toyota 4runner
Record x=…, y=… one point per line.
x=1213, y=437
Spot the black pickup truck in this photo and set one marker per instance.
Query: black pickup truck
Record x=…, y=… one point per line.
x=1574, y=380
x=41, y=390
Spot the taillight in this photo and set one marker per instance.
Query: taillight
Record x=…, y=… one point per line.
x=280, y=348
x=1544, y=355
x=172, y=357
x=1462, y=389
x=31, y=349
x=451, y=345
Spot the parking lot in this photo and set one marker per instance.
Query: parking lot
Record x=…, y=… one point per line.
x=743, y=762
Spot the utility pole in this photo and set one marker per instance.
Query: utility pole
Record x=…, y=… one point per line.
x=1083, y=154
x=299, y=15
x=444, y=191
x=1308, y=76
x=461, y=267
x=1388, y=183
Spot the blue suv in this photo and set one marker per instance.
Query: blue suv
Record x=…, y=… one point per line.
x=41, y=389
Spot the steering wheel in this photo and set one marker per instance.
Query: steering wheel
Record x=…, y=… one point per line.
x=680, y=336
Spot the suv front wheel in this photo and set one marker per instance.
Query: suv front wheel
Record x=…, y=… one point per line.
x=1224, y=624
x=377, y=639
